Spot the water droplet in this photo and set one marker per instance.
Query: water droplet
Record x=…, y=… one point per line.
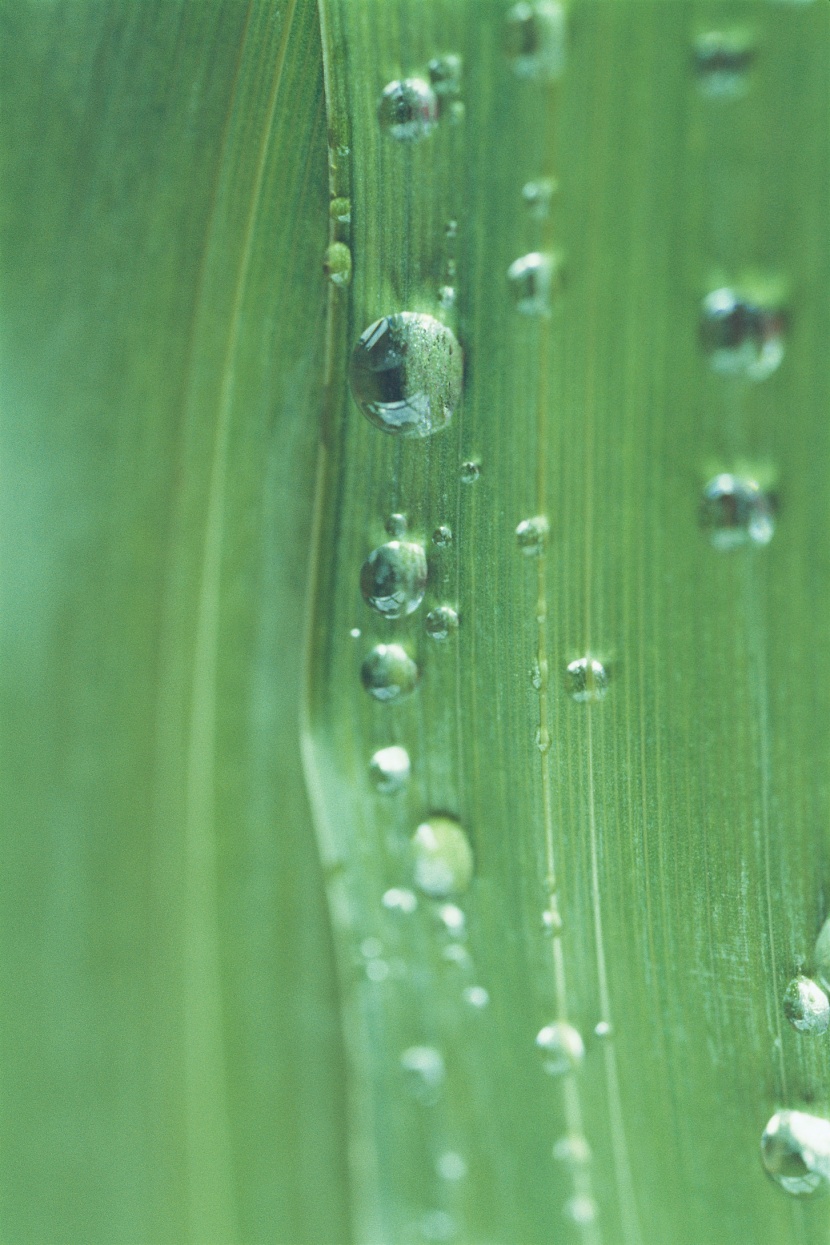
x=389, y=673
x=470, y=472
x=396, y=526
x=534, y=40
x=543, y=739
x=446, y=297
x=437, y=1225
x=532, y=535
x=821, y=955
x=451, y=1166
x=377, y=970
x=390, y=769
x=425, y=1070
x=572, y=1149
x=602, y=1029
x=393, y=578
x=452, y=228
x=408, y=110
x=581, y=1210
x=741, y=337
x=476, y=996
x=445, y=78
x=442, y=536
x=735, y=511
x=456, y=953
x=531, y=279
x=586, y=679
x=441, y=622
x=443, y=857
x=795, y=1150
x=538, y=195
x=561, y=1048
x=453, y=919
x=399, y=899
x=355, y=633
x=406, y=374
x=337, y=264
x=341, y=211
x=722, y=60
x=806, y=1006
x=551, y=922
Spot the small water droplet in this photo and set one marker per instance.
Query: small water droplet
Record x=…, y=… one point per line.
x=741, y=337
x=406, y=374
x=388, y=673
x=561, y=1048
x=408, y=110
x=586, y=680
x=442, y=536
x=532, y=535
x=441, y=622
x=355, y=633
x=390, y=769
x=393, y=578
x=400, y=899
x=572, y=1149
x=341, y=211
x=451, y=1166
x=543, y=740
x=795, y=1150
x=735, y=511
x=531, y=280
x=377, y=970
x=470, y=472
x=806, y=1006
x=445, y=77
x=396, y=526
x=443, y=857
x=456, y=953
x=452, y=228
x=425, y=1070
x=453, y=919
x=476, y=996
x=722, y=60
x=437, y=1225
x=534, y=40
x=581, y=1209
x=337, y=264
x=446, y=297
x=538, y=195
x=551, y=922
x=602, y=1029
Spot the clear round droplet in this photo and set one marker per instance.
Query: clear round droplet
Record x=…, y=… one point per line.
x=795, y=1150
x=406, y=374
x=741, y=337
x=400, y=899
x=530, y=279
x=586, y=680
x=389, y=673
x=806, y=1006
x=393, y=578
x=408, y=110
x=735, y=511
x=470, y=472
x=561, y=1048
x=453, y=919
x=722, y=61
x=441, y=622
x=390, y=769
x=443, y=858
x=532, y=535
x=340, y=210
x=337, y=264
x=424, y=1066
x=602, y=1029
x=534, y=40
x=442, y=536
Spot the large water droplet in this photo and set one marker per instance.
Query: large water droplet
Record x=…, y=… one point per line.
x=390, y=769
x=806, y=1006
x=337, y=264
x=408, y=110
x=561, y=1048
x=425, y=1068
x=722, y=60
x=406, y=374
x=795, y=1150
x=532, y=535
x=389, y=673
x=735, y=511
x=531, y=279
x=741, y=337
x=393, y=578
x=443, y=857
x=586, y=679
x=534, y=39
x=441, y=622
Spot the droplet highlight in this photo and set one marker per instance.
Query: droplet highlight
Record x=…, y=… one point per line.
x=741, y=337
x=408, y=110
x=470, y=472
x=406, y=374
x=389, y=673
x=561, y=1048
x=400, y=899
x=806, y=1006
x=532, y=535
x=735, y=511
x=537, y=196
x=534, y=40
x=425, y=1068
x=722, y=61
x=443, y=858
x=795, y=1151
x=441, y=622
x=442, y=536
x=530, y=280
x=390, y=769
x=586, y=680
x=393, y=578
x=451, y=1166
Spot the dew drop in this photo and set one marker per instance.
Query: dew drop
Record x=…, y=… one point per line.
x=602, y=1029
x=377, y=971
x=551, y=922
x=821, y=955
x=795, y=1150
x=355, y=633
x=396, y=526
x=572, y=1149
x=406, y=374
x=561, y=1048
x=453, y=919
x=741, y=337
x=408, y=110
x=586, y=680
x=534, y=40
x=470, y=472
x=443, y=858
x=735, y=511
x=390, y=769
x=393, y=578
x=337, y=264
x=441, y=622
x=442, y=536
x=722, y=60
x=456, y=953
x=388, y=673
x=476, y=996
x=806, y=1006
x=581, y=1210
x=400, y=899
x=532, y=535
x=424, y=1066
x=445, y=77
x=340, y=210
x=543, y=739
x=446, y=297
x=530, y=279
x=538, y=195
x=451, y=1166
